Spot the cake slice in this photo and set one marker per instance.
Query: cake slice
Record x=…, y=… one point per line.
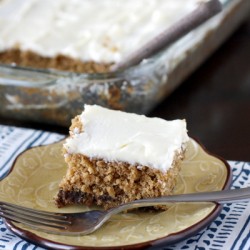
x=115, y=157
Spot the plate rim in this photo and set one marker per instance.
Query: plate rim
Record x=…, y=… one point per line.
x=169, y=239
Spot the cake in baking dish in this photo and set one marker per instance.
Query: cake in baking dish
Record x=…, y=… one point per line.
x=81, y=35
x=115, y=157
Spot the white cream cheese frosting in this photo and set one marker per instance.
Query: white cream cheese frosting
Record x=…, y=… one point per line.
x=90, y=30
x=135, y=139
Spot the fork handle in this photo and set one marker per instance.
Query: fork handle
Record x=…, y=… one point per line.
x=224, y=196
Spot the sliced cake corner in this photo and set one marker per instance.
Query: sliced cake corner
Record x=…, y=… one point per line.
x=115, y=157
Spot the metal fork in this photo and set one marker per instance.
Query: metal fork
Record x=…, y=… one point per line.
x=88, y=222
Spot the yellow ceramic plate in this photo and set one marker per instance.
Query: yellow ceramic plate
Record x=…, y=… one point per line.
x=33, y=182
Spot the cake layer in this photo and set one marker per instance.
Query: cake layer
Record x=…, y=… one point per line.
x=60, y=62
x=117, y=136
x=108, y=184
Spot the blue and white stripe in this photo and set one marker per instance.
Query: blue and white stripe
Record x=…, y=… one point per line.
x=15, y=140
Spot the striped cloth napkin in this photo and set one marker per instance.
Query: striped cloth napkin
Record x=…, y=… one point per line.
x=230, y=230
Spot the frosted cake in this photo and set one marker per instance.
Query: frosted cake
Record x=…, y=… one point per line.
x=81, y=35
x=115, y=157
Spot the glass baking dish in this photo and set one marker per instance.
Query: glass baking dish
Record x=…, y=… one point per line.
x=55, y=97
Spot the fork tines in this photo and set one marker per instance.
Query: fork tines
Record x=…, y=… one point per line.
x=33, y=218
